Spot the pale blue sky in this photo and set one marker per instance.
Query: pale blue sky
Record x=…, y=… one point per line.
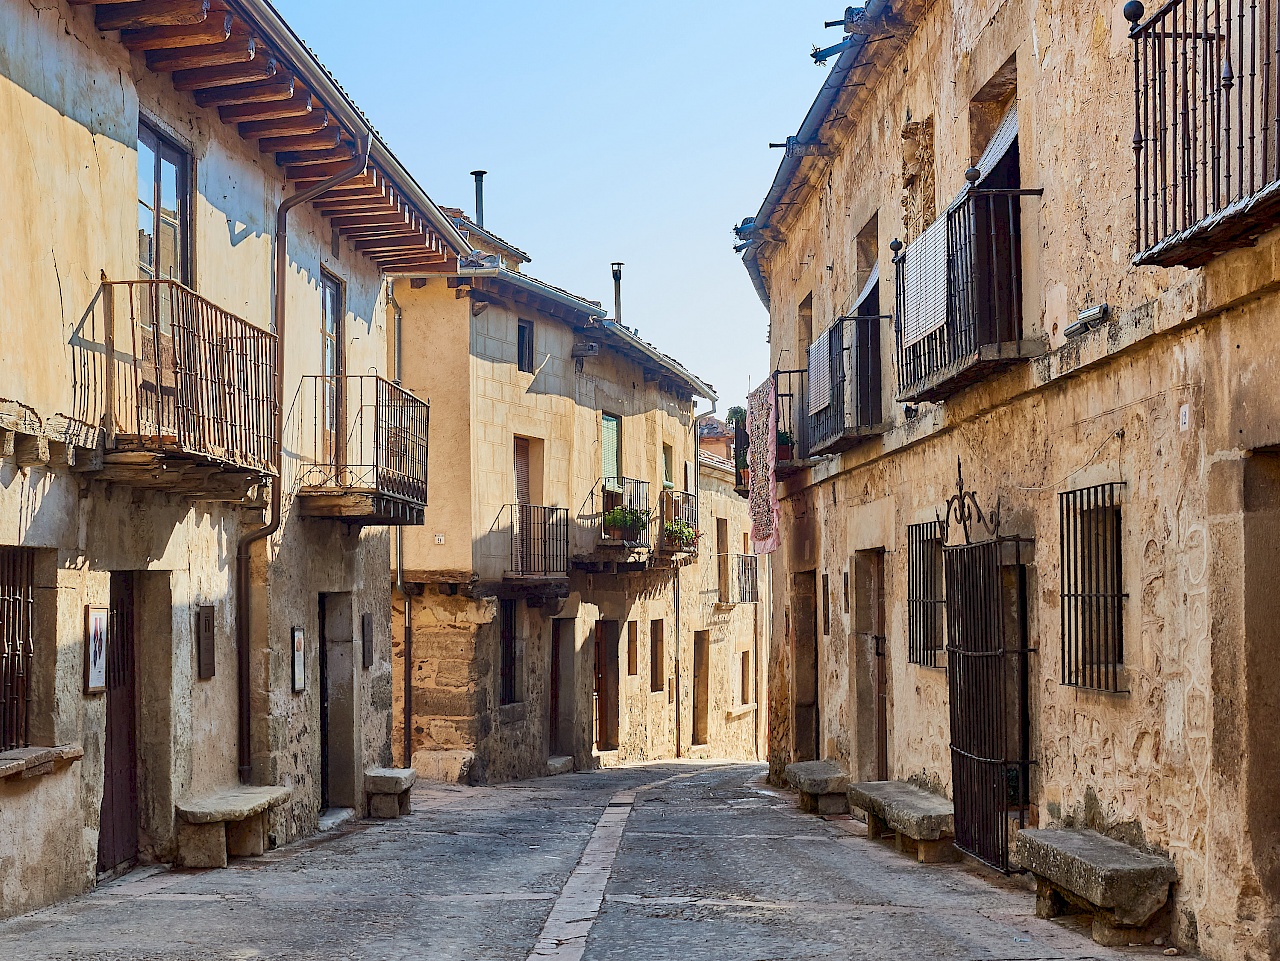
x=634, y=132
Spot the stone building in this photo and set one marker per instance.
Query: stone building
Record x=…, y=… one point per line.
x=555, y=604
x=1028, y=483
x=199, y=458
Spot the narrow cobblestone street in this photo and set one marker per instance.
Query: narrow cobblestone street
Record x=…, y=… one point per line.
x=712, y=864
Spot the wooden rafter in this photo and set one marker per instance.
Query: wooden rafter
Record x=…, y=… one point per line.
x=299, y=104
x=324, y=139
x=214, y=29
x=285, y=126
x=150, y=13
x=259, y=91
x=205, y=55
x=260, y=68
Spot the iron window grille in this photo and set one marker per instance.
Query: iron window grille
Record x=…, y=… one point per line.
x=507, y=664
x=17, y=650
x=926, y=605
x=1092, y=588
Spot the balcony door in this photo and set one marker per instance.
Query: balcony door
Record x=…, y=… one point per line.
x=524, y=542
x=332, y=398
x=164, y=240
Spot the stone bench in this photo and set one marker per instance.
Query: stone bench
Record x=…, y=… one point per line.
x=228, y=823
x=386, y=790
x=1126, y=890
x=822, y=786
x=922, y=823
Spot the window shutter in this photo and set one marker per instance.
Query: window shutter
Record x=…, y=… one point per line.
x=522, y=469
x=820, y=372
x=924, y=268
x=610, y=447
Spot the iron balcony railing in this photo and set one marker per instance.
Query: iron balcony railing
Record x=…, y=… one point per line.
x=793, y=422
x=680, y=510
x=364, y=433
x=539, y=540
x=983, y=294
x=188, y=377
x=1206, y=135
x=626, y=500
x=853, y=409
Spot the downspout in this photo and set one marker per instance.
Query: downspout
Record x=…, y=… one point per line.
x=243, y=580
x=401, y=586
x=697, y=493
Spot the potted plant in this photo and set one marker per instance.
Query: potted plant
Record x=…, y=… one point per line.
x=680, y=535
x=625, y=523
x=786, y=447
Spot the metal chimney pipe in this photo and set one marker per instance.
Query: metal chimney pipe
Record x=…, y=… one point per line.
x=479, y=175
x=617, y=291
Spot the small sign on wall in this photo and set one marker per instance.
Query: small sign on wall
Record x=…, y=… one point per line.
x=299, y=660
x=205, y=658
x=366, y=640
x=96, y=637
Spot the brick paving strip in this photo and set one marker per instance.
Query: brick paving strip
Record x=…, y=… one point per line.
x=564, y=935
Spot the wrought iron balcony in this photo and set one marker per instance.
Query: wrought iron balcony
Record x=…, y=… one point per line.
x=363, y=450
x=190, y=392
x=738, y=579
x=1206, y=135
x=539, y=541
x=852, y=409
x=959, y=297
x=678, y=522
x=791, y=387
x=622, y=504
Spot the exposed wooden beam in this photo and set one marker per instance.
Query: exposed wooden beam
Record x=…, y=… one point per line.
x=230, y=75
x=150, y=13
x=299, y=105
x=208, y=55
x=325, y=139
x=259, y=91
x=386, y=241
x=285, y=126
x=356, y=187
x=352, y=205
x=215, y=29
x=303, y=157
x=315, y=172
x=390, y=219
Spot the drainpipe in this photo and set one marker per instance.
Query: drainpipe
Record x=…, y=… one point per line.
x=697, y=493
x=404, y=590
x=243, y=580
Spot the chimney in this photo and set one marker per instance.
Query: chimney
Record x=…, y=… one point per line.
x=617, y=291
x=479, y=175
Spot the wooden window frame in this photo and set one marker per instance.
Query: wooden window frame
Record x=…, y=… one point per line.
x=525, y=354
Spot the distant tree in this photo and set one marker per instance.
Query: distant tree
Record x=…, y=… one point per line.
x=736, y=415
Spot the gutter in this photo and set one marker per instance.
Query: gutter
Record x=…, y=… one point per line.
x=809, y=130
x=243, y=580
x=336, y=101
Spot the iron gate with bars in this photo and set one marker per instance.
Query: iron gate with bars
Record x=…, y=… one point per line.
x=17, y=603
x=987, y=666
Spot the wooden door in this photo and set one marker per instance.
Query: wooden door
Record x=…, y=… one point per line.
x=118, y=834
x=523, y=553
x=701, y=686
x=597, y=690
x=324, y=711
x=553, y=707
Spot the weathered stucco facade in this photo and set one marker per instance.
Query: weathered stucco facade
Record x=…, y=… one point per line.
x=1169, y=394
x=103, y=526
x=525, y=421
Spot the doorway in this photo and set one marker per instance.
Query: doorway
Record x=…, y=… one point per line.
x=605, y=694
x=987, y=660
x=560, y=709
x=701, y=686
x=338, y=729
x=871, y=668
x=806, y=718
x=118, y=832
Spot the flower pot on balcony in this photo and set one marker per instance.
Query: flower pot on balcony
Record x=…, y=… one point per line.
x=785, y=452
x=744, y=476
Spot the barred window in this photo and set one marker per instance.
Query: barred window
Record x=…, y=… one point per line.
x=926, y=607
x=510, y=666
x=17, y=602
x=1092, y=588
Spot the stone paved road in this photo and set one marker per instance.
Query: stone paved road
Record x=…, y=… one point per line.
x=710, y=865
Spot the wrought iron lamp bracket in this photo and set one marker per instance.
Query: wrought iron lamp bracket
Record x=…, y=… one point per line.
x=963, y=507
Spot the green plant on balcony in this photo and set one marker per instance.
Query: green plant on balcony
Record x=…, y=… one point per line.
x=786, y=446
x=625, y=523
x=680, y=535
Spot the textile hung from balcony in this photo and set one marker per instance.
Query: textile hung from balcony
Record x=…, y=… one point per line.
x=872, y=283
x=925, y=260
x=820, y=372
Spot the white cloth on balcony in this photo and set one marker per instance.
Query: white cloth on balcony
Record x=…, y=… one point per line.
x=924, y=276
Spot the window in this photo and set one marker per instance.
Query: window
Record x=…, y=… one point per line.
x=633, y=648
x=722, y=558
x=17, y=609
x=610, y=446
x=1092, y=588
x=804, y=327
x=510, y=664
x=164, y=208
x=826, y=604
x=524, y=345
x=926, y=606
x=846, y=592
x=331, y=366
x=668, y=466
x=657, y=659
x=747, y=685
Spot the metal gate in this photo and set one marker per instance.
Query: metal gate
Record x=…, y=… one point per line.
x=118, y=833
x=987, y=670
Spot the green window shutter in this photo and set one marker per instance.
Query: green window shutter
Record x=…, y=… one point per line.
x=610, y=446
